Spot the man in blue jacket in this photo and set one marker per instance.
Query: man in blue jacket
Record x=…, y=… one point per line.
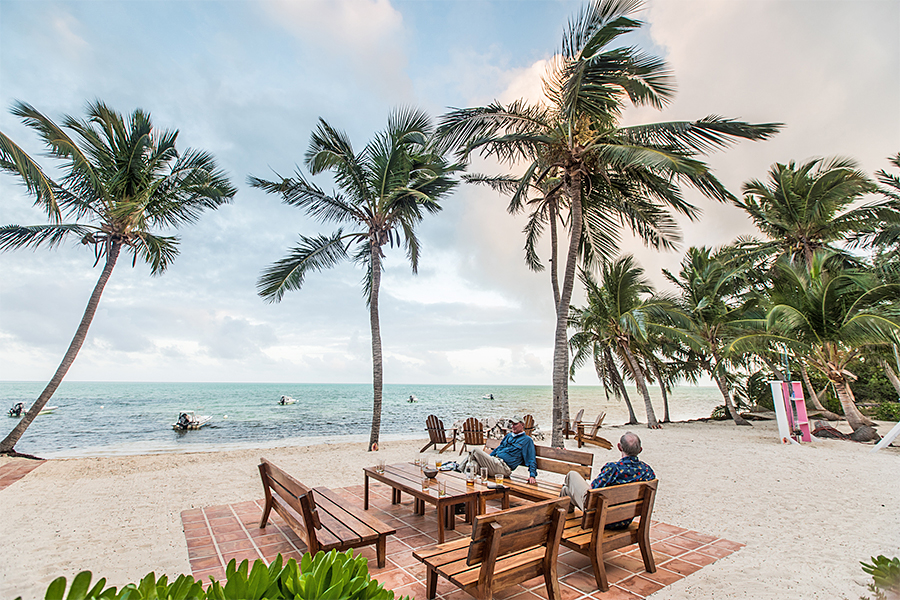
x=515, y=449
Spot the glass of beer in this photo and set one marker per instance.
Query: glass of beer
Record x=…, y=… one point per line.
x=498, y=478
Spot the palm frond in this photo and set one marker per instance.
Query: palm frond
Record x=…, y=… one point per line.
x=14, y=237
x=311, y=254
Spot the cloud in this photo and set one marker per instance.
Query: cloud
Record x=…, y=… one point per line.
x=365, y=35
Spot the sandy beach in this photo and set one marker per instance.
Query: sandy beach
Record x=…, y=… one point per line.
x=807, y=514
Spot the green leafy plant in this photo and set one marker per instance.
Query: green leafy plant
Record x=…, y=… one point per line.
x=888, y=411
x=885, y=574
x=326, y=576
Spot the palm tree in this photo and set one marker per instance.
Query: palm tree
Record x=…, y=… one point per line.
x=620, y=313
x=121, y=179
x=386, y=190
x=806, y=207
x=830, y=314
x=715, y=312
x=591, y=175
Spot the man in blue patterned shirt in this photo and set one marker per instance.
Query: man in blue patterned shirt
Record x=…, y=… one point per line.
x=626, y=470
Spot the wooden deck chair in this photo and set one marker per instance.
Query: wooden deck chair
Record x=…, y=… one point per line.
x=473, y=434
x=571, y=427
x=438, y=435
x=587, y=533
x=592, y=437
x=529, y=424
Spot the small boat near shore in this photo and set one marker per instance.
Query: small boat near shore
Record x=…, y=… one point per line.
x=187, y=420
x=487, y=397
x=18, y=409
x=285, y=400
x=412, y=399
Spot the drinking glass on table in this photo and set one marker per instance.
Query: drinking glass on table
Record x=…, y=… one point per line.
x=438, y=462
x=425, y=484
x=442, y=488
x=380, y=466
x=498, y=478
x=484, y=477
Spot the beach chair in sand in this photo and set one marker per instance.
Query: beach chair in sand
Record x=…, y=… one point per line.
x=473, y=434
x=438, y=435
x=529, y=424
x=591, y=437
x=571, y=427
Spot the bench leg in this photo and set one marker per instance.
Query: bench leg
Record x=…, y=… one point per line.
x=381, y=550
x=431, y=583
x=647, y=552
x=551, y=581
x=265, y=516
x=599, y=568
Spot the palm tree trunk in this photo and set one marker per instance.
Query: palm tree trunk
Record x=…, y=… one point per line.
x=723, y=387
x=892, y=377
x=561, y=346
x=855, y=418
x=554, y=283
x=7, y=446
x=814, y=397
x=662, y=390
x=620, y=384
x=377, y=359
x=638, y=374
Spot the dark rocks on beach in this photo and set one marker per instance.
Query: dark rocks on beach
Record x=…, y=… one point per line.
x=865, y=434
x=828, y=432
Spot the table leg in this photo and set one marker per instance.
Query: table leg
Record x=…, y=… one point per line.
x=366, y=496
x=440, y=517
x=505, y=503
x=451, y=516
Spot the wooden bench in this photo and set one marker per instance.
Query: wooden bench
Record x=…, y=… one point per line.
x=588, y=535
x=556, y=460
x=505, y=548
x=437, y=435
x=322, y=519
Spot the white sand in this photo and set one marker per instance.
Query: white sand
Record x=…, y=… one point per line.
x=808, y=514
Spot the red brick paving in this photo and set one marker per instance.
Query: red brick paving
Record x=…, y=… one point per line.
x=15, y=470
x=217, y=534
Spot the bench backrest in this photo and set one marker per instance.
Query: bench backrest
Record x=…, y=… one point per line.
x=436, y=430
x=558, y=460
x=295, y=495
x=509, y=531
x=473, y=432
x=620, y=502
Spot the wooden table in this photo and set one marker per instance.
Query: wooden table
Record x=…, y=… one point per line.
x=407, y=477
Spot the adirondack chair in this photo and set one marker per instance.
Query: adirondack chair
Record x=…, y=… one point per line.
x=529, y=424
x=473, y=434
x=592, y=437
x=571, y=427
x=438, y=435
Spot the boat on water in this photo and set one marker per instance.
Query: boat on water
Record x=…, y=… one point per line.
x=285, y=400
x=412, y=399
x=487, y=397
x=18, y=409
x=187, y=420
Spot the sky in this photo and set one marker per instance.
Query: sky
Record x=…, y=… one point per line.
x=248, y=80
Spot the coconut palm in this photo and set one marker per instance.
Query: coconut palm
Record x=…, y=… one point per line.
x=589, y=173
x=620, y=313
x=830, y=314
x=716, y=312
x=120, y=180
x=807, y=207
x=386, y=190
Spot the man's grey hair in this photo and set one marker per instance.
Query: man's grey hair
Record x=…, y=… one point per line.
x=631, y=444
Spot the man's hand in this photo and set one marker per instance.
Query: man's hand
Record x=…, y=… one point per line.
x=532, y=480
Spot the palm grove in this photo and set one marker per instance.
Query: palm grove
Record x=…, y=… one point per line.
x=799, y=298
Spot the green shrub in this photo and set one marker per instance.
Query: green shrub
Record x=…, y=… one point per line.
x=885, y=574
x=327, y=576
x=888, y=411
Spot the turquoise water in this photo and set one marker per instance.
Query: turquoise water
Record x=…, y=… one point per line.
x=96, y=419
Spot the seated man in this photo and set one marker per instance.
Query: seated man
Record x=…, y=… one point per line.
x=514, y=450
x=627, y=470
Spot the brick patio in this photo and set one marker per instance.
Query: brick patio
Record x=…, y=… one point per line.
x=15, y=470
x=217, y=534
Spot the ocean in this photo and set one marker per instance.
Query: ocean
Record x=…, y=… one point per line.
x=110, y=418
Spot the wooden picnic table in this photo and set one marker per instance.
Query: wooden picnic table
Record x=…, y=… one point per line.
x=407, y=477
